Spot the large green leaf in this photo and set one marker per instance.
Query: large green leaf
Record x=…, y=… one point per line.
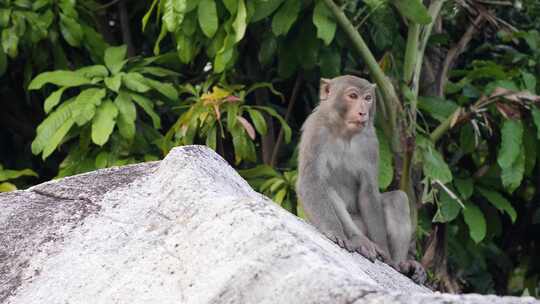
x=499, y=201
x=136, y=82
x=13, y=174
x=148, y=107
x=465, y=187
x=264, y=9
x=258, y=120
x=103, y=122
x=386, y=168
x=173, y=14
x=164, y=88
x=474, y=218
x=127, y=115
x=437, y=107
x=71, y=30
x=86, y=103
x=435, y=167
x=114, y=82
x=511, y=140
x=60, y=78
x=57, y=137
x=10, y=42
x=414, y=10
x=114, y=58
x=512, y=176
x=208, y=18
x=53, y=99
x=285, y=17
x=48, y=127
x=324, y=21
x=449, y=209
x=240, y=22
x=93, y=71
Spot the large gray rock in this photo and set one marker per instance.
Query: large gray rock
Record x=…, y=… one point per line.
x=188, y=229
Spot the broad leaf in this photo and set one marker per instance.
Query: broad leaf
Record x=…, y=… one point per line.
x=285, y=17
x=511, y=140
x=148, y=107
x=93, y=71
x=449, y=209
x=114, y=58
x=324, y=21
x=499, y=201
x=414, y=10
x=127, y=115
x=86, y=103
x=59, y=78
x=10, y=42
x=164, y=88
x=208, y=18
x=264, y=9
x=114, y=82
x=435, y=167
x=48, y=127
x=57, y=138
x=512, y=176
x=474, y=218
x=258, y=120
x=13, y=174
x=465, y=187
x=173, y=14
x=71, y=30
x=103, y=122
x=240, y=22
x=136, y=82
x=53, y=99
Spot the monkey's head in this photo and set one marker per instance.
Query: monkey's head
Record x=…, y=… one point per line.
x=349, y=102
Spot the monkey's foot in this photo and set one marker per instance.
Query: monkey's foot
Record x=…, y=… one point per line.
x=361, y=245
x=413, y=270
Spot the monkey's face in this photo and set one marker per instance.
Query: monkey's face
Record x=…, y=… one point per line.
x=357, y=104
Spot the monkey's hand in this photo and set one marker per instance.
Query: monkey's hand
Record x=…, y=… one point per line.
x=413, y=270
x=362, y=245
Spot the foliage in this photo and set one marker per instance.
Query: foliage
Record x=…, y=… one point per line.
x=6, y=175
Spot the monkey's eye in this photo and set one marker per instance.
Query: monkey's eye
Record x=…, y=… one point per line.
x=368, y=98
x=353, y=96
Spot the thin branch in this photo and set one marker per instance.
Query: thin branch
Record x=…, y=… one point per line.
x=292, y=101
x=126, y=28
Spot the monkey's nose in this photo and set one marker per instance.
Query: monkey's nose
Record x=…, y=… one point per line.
x=362, y=113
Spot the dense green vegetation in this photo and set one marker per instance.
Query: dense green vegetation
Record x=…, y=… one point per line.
x=92, y=84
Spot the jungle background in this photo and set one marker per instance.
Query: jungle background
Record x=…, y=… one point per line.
x=92, y=84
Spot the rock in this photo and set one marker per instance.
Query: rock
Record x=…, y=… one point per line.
x=187, y=229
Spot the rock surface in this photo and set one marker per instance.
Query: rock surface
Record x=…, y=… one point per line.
x=187, y=229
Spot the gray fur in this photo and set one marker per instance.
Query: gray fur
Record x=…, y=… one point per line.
x=338, y=182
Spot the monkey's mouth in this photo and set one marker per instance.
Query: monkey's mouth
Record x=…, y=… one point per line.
x=356, y=124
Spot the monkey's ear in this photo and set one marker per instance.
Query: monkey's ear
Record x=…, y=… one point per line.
x=325, y=89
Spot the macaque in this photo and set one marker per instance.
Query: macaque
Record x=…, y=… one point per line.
x=338, y=178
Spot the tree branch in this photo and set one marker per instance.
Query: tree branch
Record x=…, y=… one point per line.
x=126, y=29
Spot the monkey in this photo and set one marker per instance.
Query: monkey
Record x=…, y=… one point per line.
x=338, y=178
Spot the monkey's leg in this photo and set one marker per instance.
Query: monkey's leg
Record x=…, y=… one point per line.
x=400, y=230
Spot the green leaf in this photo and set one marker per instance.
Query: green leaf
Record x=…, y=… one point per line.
x=465, y=187
x=512, y=176
x=467, y=138
x=48, y=127
x=437, y=107
x=278, y=198
x=449, y=209
x=57, y=138
x=536, y=118
x=86, y=103
x=136, y=82
x=71, y=30
x=114, y=58
x=530, y=81
x=414, y=10
x=499, y=201
x=386, y=169
x=102, y=159
x=148, y=14
x=53, y=99
x=511, y=140
x=264, y=9
x=93, y=71
x=211, y=138
x=267, y=50
x=263, y=171
x=127, y=115
x=103, y=122
x=173, y=14
x=59, y=78
x=325, y=23
x=164, y=88
x=148, y=108
x=474, y=218
x=7, y=187
x=208, y=19
x=114, y=82
x=10, y=42
x=240, y=22
x=285, y=17
x=231, y=6
x=6, y=174
x=286, y=129
x=258, y=120
x=435, y=167
x=232, y=113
